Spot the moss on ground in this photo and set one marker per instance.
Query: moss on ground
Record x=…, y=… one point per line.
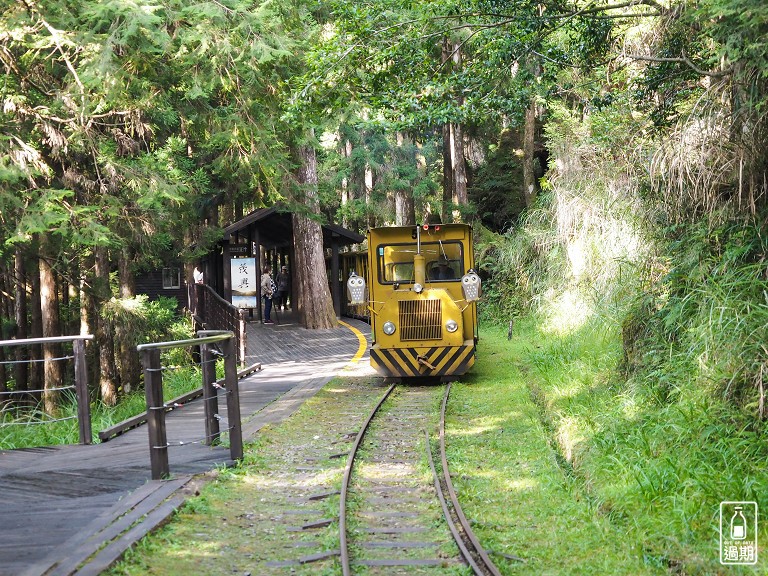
x=528, y=435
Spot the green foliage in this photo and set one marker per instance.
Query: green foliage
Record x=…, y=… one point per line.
x=723, y=37
x=702, y=320
x=139, y=320
x=655, y=466
x=136, y=117
x=506, y=463
x=359, y=151
x=497, y=189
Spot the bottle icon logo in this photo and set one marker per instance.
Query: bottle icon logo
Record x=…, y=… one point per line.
x=738, y=525
x=738, y=533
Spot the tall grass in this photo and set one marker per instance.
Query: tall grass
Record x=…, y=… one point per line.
x=144, y=321
x=706, y=321
x=657, y=466
x=649, y=350
x=35, y=428
x=585, y=241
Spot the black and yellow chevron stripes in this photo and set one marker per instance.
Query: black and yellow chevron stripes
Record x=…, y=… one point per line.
x=404, y=363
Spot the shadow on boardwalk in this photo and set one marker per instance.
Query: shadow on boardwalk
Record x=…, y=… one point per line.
x=75, y=509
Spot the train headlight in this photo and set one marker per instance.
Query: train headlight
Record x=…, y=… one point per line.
x=356, y=289
x=418, y=288
x=451, y=326
x=388, y=328
x=470, y=285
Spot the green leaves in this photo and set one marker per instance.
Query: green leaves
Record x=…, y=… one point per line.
x=128, y=121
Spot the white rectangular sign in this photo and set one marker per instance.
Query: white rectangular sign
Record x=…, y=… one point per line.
x=244, y=283
x=738, y=533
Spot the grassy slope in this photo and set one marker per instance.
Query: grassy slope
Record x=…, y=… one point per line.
x=523, y=501
x=555, y=463
x=561, y=465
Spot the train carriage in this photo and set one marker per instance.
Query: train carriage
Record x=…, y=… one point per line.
x=422, y=293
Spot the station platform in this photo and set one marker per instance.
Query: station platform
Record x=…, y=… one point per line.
x=75, y=509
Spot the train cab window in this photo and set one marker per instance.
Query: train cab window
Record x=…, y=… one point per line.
x=400, y=271
x=443, y=261
x=443, y=269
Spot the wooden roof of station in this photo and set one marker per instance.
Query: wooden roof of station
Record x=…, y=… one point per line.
x=275, y=229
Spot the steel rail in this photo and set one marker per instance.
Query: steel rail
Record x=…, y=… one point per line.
x=447, y=513
x=344, y=552
x=490, y=566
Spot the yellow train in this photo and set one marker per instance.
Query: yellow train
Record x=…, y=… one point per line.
x=421, y=293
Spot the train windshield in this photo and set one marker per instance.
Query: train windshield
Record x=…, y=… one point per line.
x=444, y=262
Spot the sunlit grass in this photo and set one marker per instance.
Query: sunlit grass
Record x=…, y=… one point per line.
x=653, y=472
x=511, y=481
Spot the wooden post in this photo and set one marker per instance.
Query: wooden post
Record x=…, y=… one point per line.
x=81, y=389
x=243, y=340
x=233, y=399
x=227, y=273
x=259, y=267
x=335, y=288
x=210, y=395
x=153, y=389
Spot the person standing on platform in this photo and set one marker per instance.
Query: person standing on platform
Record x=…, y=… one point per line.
x=267, y=291
x=283, y=287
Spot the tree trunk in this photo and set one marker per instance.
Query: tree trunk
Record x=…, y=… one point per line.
x=357, y=187
x=445, y=208
x=125, y=274
x=315, y=305
x=21, y=369
x=128, y=358
x=459, y=166
x=405, y=210
x=49, y=308
x=7, y=312
x=36, y=315
x=529, y=167
x=346, y=194
x=104, y=334
x=457, y=141
x=87, y=317
x=448, y=183
x=370, y=217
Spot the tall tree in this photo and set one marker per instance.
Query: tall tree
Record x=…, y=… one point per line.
x=315, y=305
x=21, y=372
x=49, y=309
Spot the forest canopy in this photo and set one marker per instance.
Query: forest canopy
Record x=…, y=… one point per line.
x=132, y=132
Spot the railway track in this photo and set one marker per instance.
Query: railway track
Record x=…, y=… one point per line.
x=389, y=509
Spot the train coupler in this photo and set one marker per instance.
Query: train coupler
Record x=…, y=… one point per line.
x=424, y=362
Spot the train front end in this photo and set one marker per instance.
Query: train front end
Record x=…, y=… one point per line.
x=422, y=293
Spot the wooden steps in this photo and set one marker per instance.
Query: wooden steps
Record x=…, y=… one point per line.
x=103, y=542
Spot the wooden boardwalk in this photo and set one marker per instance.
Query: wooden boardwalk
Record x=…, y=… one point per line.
x=75, y=509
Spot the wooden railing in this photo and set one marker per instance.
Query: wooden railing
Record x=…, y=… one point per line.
x=135, y=421
x=80, y=381
x=156, y=408
x=212, y=312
